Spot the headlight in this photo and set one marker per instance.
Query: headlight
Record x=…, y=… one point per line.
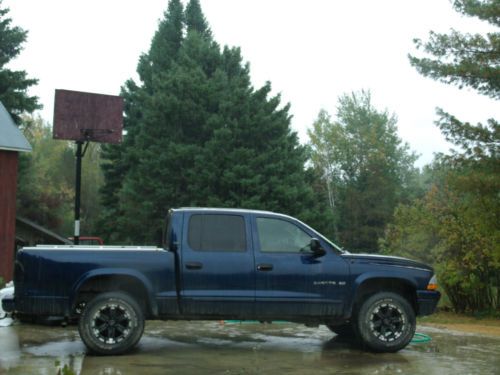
x=433, y=284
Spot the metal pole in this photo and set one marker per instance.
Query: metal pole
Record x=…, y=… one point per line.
x=78, y=182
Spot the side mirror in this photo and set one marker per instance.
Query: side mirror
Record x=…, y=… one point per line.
x=316, y=248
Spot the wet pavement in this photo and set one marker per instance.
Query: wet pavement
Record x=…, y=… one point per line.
x=243, y=348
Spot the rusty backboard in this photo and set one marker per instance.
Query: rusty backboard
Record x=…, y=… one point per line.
x=83, y=116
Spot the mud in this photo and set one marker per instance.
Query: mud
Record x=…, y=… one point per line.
x=214, y=348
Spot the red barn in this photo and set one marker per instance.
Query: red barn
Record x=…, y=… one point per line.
x=12, y=141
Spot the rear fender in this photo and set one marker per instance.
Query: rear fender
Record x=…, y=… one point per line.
x=116, y=272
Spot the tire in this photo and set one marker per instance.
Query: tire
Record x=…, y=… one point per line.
x=345, y=330
x=111, y=323
x=386, y=322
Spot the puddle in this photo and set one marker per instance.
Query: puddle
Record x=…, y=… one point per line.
x=214, y=348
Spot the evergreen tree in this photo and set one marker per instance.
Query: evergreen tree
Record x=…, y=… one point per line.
x=466, y=60
x=195, y=20
x=116, y=163
x=117, y=159
x=14, y=83
x=203, y=136
x=366, y=168
x=165, y=44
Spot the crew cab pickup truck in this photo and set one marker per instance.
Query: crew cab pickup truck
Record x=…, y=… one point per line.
x=224, y=264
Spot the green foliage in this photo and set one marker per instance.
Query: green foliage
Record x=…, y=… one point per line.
x=195, y=20
x=456, y=224
x=2, y=283
x=464, y=59
x=455, y=227
x=198, y=134
x=476, y=142
x=92, y=180
x=46, y=181
x=14, y=83
x=366, y=168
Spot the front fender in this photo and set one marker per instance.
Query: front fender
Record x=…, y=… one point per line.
x=400, y=277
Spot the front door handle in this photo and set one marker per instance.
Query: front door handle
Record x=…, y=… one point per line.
x=194, y=265
x=265, y=267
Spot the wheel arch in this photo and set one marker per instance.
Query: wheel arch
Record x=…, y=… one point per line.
x=366, y=286
x=113, y=280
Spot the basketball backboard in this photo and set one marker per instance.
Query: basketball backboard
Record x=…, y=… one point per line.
x=83, y=116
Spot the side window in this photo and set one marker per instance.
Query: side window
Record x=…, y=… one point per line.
x=217, y=233
x=277, y=235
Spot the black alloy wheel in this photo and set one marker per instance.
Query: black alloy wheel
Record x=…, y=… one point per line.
x=386, y=322
x=111, y=323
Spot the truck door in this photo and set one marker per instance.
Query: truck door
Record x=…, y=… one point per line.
x=217, y=265
x=290, y=282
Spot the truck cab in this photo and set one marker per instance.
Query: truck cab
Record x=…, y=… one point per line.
x=254, y=264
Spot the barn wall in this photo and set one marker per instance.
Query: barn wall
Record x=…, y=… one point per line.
x=8, y=185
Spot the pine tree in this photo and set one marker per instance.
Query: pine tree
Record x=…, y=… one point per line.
x=165, y=44
x=206, y=137
x=195, y=20
x=466, y=60
x=14, y=83
x=119, y=158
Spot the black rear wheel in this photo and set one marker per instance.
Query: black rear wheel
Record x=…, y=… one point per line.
x=111, y=323
x=386, y=322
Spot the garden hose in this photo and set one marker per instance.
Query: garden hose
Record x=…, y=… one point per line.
x=420, y=338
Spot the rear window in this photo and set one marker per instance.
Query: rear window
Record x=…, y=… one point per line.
x=217, y=233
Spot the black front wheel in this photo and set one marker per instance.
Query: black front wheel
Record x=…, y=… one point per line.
x=386, y=322
x=111, y=323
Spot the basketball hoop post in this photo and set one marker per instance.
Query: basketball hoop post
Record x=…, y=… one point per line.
x=78, y=184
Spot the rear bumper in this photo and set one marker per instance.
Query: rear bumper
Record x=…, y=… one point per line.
x=427, y=301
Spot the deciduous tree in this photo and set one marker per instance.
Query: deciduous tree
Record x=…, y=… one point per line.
x=366, y=167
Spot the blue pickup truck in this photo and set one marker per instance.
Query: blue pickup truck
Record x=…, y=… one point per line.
x=224, y=264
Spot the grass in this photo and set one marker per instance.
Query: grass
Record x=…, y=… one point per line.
x=447, y=317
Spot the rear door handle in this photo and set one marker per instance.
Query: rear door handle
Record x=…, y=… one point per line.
x=194, y=265
x=265, y=267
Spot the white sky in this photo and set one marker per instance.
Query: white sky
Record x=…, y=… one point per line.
x=312, y=52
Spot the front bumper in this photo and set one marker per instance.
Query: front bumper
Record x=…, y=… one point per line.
x=427, y=301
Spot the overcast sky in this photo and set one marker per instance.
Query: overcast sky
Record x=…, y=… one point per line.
x=311, y=51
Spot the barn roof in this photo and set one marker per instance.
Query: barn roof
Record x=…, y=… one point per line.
x=11, y=138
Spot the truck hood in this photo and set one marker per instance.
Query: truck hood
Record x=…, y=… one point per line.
x=386, y=260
